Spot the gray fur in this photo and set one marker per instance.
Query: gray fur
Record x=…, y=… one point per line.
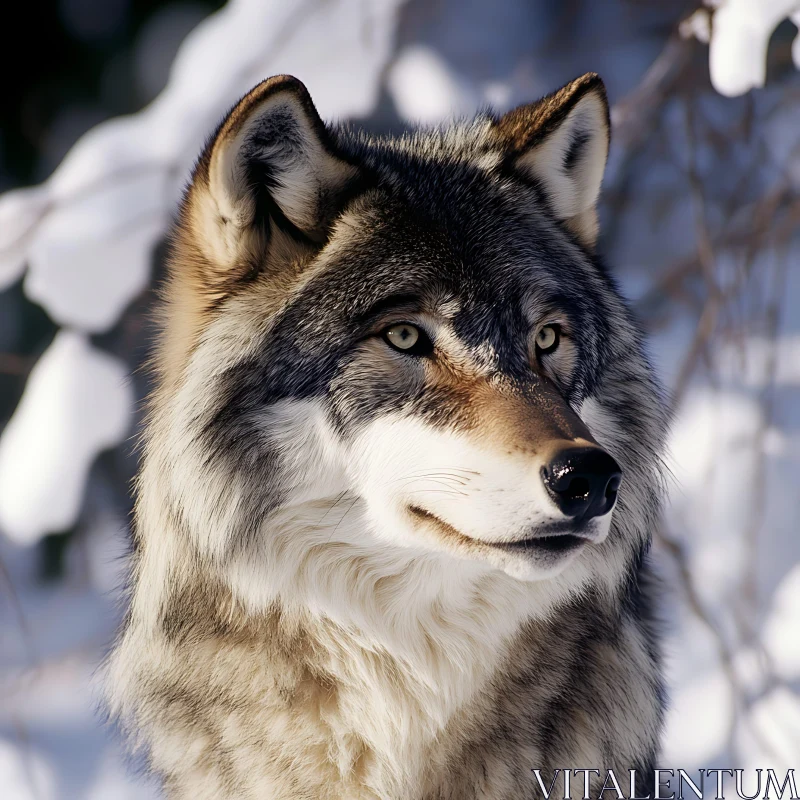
x=294, y=632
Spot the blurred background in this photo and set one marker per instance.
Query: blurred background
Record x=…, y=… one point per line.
x=99, y=125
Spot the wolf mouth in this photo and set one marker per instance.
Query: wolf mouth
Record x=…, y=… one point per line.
x=559, y=543
x=552, y=544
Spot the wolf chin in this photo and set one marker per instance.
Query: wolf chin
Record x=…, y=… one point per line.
x=400, y=469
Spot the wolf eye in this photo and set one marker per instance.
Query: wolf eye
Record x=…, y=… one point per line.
x=547, y=339
x=408, y=339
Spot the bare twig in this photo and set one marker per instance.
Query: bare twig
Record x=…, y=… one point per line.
x=724, y=651
x=22, y=623
x=632, y=116
x=696, y=606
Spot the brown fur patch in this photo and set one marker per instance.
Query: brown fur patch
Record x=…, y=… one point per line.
x=521, y=128
x=530, y=419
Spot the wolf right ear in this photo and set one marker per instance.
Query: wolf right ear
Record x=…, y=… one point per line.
x=269, y=176
x=562, y=143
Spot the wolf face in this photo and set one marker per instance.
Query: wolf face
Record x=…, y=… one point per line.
x=389, y=346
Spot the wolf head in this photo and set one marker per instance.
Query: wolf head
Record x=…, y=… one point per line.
x=402, y=351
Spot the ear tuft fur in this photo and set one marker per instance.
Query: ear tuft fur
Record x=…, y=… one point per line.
x=270, y=172
x=562, y=142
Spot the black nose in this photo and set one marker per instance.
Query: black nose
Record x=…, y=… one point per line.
x=583, y=481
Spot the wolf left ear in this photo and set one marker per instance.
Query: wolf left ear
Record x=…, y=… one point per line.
x=562, y=143
x=269, y=182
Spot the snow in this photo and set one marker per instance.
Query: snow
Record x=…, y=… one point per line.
x=77, y=403
x=796, y=43
x=771, y=742
x=53, y=745
x=19, y=213
x=738, y=39
x=91, y=256
x=750, y=364
x=87, y=233
x=25, y=775
x=781, y=634
x=687, y=745
x=89, y=229
x=425, y=90
x=719, y=442
x=710, y=448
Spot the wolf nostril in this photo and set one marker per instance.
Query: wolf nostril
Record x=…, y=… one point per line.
x=582, y=481
x=612, y=487
x=578, y=488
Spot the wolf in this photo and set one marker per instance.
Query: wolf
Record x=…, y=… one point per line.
x=400, y=470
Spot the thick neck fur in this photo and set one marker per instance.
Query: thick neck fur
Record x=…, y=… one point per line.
x=347, y=671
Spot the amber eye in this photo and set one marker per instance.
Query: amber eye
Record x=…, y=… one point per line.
x=408, y=339
x=547, y=339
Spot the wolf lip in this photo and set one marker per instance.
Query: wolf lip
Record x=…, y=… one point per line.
x=556, y=544
x=553, y=543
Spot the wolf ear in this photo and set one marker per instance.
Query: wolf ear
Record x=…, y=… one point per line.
x=562, y=142
x=269, y=179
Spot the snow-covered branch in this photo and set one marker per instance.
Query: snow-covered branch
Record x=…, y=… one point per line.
x=86, y=235
x=738, y=34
